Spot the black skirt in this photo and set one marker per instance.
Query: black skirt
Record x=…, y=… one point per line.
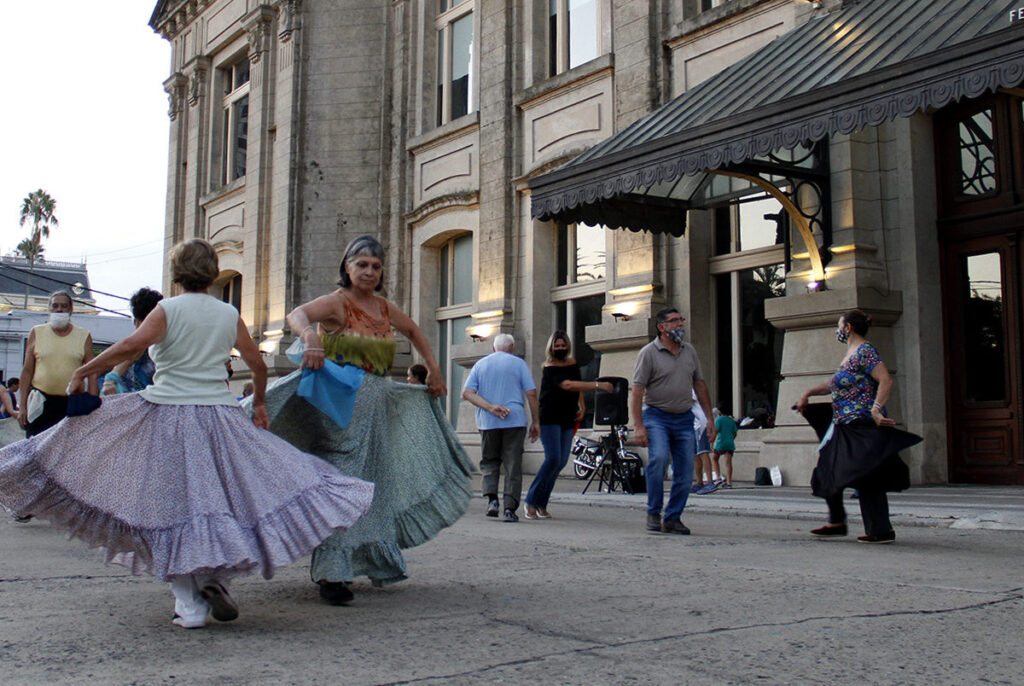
x=859, y=455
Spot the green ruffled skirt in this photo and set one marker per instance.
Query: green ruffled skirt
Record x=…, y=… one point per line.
x=400, y=440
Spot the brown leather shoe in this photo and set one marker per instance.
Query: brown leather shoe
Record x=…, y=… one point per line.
x=675, y=526
x=830, y=531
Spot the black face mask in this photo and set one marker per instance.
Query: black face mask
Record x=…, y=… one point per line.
x=560, y=354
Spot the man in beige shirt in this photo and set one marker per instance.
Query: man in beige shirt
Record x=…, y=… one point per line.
x=666, y=375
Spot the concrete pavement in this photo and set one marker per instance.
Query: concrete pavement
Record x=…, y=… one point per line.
x=584, y=598
x=958, y=507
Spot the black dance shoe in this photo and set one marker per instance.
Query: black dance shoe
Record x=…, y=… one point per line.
x=881, y=538
x=335, y=592
x=222, y=605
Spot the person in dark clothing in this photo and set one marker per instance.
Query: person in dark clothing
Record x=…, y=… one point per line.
x=561, y=406
x=860, y=447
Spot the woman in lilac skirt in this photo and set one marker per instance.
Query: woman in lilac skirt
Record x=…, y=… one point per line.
x=175, y=480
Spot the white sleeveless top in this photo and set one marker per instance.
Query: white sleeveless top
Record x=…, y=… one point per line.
x=201, y=331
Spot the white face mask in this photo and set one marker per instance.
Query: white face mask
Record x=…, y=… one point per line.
x=60, y=320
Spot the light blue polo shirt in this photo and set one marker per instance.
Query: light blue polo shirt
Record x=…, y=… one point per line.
x=500, y=378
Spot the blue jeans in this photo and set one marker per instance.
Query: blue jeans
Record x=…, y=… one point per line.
x=668, y=435
x=557, y=442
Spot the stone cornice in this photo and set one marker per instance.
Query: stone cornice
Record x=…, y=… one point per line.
x=171, y=17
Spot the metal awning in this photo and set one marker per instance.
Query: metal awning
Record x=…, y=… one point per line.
x=862, y=65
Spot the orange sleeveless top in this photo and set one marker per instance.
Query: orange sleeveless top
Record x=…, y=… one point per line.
x=366, y=341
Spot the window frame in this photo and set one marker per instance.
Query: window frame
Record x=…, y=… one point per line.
x=557, y=45
x=447, y=315
x=443, y=24
x=728, y=267
x=231, y=100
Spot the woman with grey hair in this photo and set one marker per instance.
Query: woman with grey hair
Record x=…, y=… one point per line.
x=397, y=436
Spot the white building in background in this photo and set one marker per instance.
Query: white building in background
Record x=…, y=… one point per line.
x=41, y=280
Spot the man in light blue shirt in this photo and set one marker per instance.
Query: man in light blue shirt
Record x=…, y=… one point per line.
x=496, y=386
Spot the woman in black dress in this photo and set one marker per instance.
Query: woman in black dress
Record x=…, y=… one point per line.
x=561, y=406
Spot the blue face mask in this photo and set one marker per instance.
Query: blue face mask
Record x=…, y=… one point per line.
x=842, y=336
x=677, y=335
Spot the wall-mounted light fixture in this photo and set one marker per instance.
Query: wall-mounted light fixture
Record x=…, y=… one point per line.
x=624, y=309
x=271, y=341
x=480, y=332
x=815, y=286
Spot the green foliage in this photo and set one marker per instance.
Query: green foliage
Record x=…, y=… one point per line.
x=39, y=207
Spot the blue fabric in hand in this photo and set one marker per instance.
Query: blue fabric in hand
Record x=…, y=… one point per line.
x=332, y=390
x=82, y=403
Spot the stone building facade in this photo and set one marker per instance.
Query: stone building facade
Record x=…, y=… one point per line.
x=296, y=125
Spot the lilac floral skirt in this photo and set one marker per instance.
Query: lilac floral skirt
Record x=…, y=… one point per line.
x=180, y=489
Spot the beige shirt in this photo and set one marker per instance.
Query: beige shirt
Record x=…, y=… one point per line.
x=667, y=379
x=57, y=358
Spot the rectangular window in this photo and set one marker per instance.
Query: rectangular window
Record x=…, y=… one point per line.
x=749, y=229
x=977, y=155
x=749, y=223
x=455, y=287
x=750, y=362
x=984, y=320
x=581, y=254
x=452, y=332
x=456, y=77
x=456, y=271
x=573, y=34
x=231, y=292
x=235, y=121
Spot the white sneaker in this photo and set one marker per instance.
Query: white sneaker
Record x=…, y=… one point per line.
x=189, y=623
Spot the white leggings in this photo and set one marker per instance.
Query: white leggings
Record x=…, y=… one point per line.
x=188, y=602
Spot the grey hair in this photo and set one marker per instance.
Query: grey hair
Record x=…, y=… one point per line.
x=61, y=294
x=363, y=245
x=504, y=342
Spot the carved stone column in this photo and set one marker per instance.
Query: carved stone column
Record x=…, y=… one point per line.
x=196, y=145
x=176, y=87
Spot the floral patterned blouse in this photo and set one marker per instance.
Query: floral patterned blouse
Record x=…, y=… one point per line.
x=853, y=389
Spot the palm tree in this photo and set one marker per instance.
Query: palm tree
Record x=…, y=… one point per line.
x=39, y=207
x=30, y=250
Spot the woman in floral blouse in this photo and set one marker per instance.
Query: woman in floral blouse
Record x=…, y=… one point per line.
x=860, y=449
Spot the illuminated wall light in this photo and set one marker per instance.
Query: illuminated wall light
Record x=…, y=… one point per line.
x=622, y=311
x=270, y=342
x=816, y=286
x=480, y=332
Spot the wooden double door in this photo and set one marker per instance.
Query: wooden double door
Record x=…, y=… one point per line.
x=984, y=344
x=980, y=171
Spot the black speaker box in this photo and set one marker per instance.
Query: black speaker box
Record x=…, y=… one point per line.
x=612, y=408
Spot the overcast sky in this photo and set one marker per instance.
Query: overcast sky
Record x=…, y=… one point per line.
x=84, y=117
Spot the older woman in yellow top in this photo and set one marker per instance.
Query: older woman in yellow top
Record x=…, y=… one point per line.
x=54, y=351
